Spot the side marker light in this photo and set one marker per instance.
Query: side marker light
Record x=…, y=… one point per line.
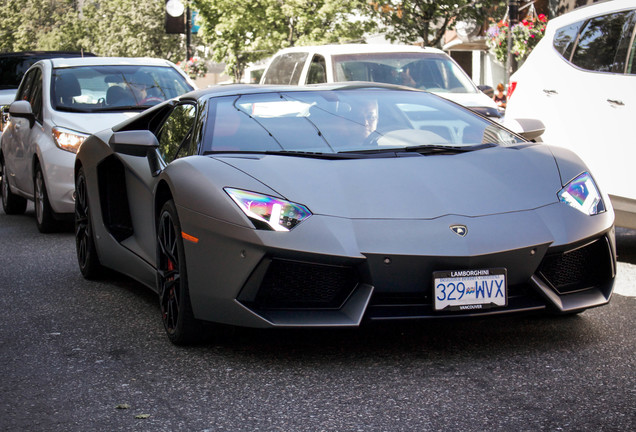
x=190, y=238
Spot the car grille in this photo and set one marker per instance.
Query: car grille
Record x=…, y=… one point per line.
x=577, y=269
x=293, y=284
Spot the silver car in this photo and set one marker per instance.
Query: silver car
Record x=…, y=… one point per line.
x=59, y=103
x=334, y=205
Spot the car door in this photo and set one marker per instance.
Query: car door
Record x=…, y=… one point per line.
x=545, y=94
x=23, y=135
x=175, y=141
x=619, y=112
x=14, y=133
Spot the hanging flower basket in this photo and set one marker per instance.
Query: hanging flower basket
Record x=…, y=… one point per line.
x=525, y=36
x=195, y=67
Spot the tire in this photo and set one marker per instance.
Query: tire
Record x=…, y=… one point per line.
x=44, y=216
x=87, y=258
x=12, y=204
x=172, y=279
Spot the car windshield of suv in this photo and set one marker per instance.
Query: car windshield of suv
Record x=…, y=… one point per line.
x=432, y=72
x=352, y=120
x=114, y=88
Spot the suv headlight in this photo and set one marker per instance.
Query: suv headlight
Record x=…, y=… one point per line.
x=267, y=212
x=582, y=194
x=67, y=139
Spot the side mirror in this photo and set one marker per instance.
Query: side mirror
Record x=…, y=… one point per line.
x=22, y=108
x=133, y=143
x=141, y=143
x=530, y=129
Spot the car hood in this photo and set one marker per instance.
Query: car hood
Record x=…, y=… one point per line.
x=90, y=122
x=7, y=96
x=490, y=181
x=470, y=100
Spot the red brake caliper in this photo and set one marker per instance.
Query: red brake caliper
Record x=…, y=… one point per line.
x=170, y=268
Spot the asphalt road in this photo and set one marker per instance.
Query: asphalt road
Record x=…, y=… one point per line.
x=92, y=356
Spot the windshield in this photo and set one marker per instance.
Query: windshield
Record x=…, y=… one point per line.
x=114, y=88
x=425, y=71
x=351, y=120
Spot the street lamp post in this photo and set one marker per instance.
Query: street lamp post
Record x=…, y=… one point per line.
x=188, y=34
x=513, y=18
x=176, y=9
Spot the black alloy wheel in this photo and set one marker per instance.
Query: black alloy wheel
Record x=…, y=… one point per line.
x=84, y=241
x=172, y=281
x=12, y=204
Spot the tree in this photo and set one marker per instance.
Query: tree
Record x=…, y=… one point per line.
x=130, y=28
x=242, y=32
x=426, y=21
x=39, y=24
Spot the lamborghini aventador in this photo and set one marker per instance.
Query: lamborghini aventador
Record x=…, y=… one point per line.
x=334, y=205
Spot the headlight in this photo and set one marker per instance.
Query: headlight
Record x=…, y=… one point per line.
x=268, y=212
x=582, y=194
x=67, y=139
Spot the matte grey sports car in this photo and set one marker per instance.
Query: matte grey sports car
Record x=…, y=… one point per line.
x=332, y=205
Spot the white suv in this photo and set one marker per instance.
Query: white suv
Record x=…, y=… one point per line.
x=59, y=103
x=580, y=81
x=423, y=68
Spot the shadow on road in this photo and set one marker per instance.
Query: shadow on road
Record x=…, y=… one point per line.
x=507, y=335
x=512, y=335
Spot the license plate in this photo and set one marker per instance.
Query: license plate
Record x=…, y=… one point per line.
x=467, y=290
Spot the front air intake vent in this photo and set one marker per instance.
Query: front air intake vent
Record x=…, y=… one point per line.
x=293, y=284
x=578, y=269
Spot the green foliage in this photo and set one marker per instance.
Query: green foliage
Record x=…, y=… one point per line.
x=410, y=21
x=242, y=32
x=236, y=32
x=38, y=24
x=129, y=28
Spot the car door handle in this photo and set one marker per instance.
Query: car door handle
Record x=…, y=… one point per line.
x=550, y=92
x=615, y=102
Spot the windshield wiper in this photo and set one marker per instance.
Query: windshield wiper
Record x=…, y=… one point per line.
x=72, y=109
x=297, y=153
x=122, y=108
x=438, y=148
x=308, y=154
